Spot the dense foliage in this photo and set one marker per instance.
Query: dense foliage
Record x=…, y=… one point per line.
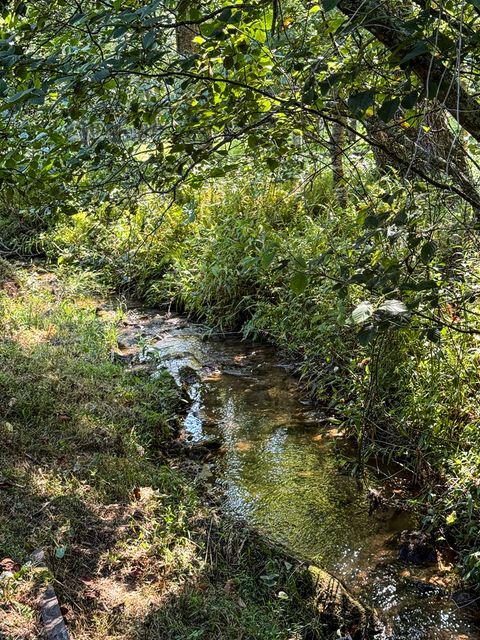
x=304, y=170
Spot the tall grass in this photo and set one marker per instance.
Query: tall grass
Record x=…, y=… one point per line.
x=233, y=254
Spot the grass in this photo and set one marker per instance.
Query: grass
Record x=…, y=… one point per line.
x=85, y=474
x=279, y=261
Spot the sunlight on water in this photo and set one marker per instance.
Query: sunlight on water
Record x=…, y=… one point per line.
x=281, y=472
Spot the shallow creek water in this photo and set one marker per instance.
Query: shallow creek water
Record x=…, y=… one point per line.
x=280, y=470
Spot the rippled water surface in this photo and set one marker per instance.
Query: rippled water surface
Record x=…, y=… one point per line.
x=281, y=471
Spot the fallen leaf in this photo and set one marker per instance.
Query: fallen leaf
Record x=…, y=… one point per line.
x=66, y=612
x=230, y=586
x=212, y=377
x=243, y=446
x=137, y=494
x=7, y=564
x=91, y=594
x=241, y=603
x=335, y=433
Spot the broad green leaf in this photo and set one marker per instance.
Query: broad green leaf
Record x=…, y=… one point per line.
x=267, y=257
x=359, y=102
x=428, y=251
x=149, y=39
x=362, y=312
x=228, y=62
x=300, y=262
x=410, y=100
x=418, y=50
x=367, y=334
x=21, y=95
x=393, y=307
x=328, y=5
x=299, y=282
x=422, y=285
x=225, y=16
x=388, y=109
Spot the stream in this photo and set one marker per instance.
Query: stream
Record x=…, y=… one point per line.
x=280, y=469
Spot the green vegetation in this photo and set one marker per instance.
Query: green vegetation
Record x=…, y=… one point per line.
x=86, y=475
x=307, y=172
x=275, y=261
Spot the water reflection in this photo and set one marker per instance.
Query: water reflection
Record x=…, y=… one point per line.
x=281, y=472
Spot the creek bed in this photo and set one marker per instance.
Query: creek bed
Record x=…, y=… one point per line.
x=281, y=471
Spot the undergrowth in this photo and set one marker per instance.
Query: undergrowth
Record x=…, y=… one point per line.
x=86, y=475
x=279, y=261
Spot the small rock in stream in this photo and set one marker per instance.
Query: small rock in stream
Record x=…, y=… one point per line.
x=426, y=589
x=416, y=548
x=205, y=473
x=212, y=444
x=197, y=453
x=188, y=375
x=202, y=449
x=464, y=598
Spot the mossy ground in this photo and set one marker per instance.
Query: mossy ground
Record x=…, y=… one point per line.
x=85, y=474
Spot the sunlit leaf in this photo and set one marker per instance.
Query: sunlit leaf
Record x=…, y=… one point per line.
x=362, y=312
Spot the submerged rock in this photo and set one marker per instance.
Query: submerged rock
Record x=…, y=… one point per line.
x=416, y=548
x=336, y=606
x=202, y=449
x=196, y=451
x=464, y=598
x=188, y=374
x=213, y=444
x=425, y=589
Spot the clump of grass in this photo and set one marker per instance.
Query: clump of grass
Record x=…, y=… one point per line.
x=78, y=434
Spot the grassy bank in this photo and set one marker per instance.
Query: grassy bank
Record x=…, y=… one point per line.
x=278, y=260
x=86, y=475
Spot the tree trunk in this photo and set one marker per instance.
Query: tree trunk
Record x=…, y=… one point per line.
x=391, y=31
x=185, y=32
x=430, y=148
x=337, y=149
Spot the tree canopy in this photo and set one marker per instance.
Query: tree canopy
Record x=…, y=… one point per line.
x=101, y=89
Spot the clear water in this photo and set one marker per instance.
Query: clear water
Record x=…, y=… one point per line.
x=281, y=471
